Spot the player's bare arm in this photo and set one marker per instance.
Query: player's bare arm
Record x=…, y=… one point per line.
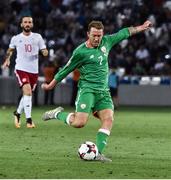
x=49, y=86
x=44, y=52
x=7, y=58
x=134, y=30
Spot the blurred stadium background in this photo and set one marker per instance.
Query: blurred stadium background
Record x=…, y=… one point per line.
x=142, y=63
x=140, y=141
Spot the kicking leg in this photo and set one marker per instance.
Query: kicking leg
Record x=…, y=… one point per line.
x=77, y=119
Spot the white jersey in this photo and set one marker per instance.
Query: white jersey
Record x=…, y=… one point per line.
x=27, y=51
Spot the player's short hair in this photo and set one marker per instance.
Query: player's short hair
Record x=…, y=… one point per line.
x=21, y=19
x=95, y=24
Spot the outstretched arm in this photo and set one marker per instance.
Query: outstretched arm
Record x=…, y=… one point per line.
x=134, y=30
x=7, y=58
x=72, y=64
x=49, y=86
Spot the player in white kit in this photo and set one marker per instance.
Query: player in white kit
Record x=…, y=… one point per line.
x=27, y=45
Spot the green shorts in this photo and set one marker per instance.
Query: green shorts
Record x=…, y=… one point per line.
x=91, y=101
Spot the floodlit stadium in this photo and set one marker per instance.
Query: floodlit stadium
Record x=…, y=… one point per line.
x=139, y=82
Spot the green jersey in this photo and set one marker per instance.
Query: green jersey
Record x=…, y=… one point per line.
x=93, y=62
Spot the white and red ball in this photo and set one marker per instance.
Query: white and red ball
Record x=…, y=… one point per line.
x=88, y=151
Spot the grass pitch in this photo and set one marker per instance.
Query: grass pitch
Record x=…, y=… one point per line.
x=139, y=145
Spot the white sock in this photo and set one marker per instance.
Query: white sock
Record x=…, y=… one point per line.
x=20, y=106
x=27, y=102
x=68, y=118
x=105, y=131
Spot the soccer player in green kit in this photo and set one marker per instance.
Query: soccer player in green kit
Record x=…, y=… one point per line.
x=91, y=59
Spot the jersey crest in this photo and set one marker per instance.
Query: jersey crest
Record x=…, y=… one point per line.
x=103, y=49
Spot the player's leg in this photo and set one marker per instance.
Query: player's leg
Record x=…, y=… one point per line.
x=27, y=103
x=104, y=108
x=75, y=119
x=27, y=82
x=79, y=118
x=18, y=113
x=29, y=90
x=29, y=85
x=106, y=118
x=22, y=78
x=20, y=107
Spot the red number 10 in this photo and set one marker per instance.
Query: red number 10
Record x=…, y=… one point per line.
x=28, y=47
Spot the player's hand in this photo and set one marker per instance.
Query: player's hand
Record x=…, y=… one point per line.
x=49, y=86
x=147, y=24
x=44, y=52
x=5, y=64
x=44, y=86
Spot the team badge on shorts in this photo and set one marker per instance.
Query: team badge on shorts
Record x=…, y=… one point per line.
x=24, y=80
x=83, y=106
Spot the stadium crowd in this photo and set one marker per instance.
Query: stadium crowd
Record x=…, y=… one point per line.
x=63, y=24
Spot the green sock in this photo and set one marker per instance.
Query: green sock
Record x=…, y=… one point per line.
x=62, y=116
x=101, y=141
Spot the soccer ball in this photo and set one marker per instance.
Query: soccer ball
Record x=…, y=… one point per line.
x=88, y=151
